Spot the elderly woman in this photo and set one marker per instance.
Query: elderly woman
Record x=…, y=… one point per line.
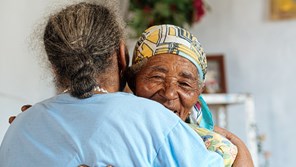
x=169, y=66
x=90, y=122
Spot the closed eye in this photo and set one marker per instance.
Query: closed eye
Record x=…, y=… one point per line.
x=156, y=78
x=184, y=84
x=187, y=86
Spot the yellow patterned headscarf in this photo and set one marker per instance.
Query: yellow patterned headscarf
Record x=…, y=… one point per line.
x=171, y=39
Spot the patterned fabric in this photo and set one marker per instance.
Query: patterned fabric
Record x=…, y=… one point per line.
x=217, y=143
x=201, y=115
x=171, y=39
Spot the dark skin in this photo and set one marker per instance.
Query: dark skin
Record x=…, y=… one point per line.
x=170, y=80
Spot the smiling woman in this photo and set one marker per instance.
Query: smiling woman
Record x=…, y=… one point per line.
x=170, y=80
x=169, y=66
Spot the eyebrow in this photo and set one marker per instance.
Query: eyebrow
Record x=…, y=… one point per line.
x=161, y=69
x=187, y=75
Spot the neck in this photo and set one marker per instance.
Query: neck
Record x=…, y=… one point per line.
x=110, y=79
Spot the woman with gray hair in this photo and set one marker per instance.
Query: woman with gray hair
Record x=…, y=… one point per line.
x=91, y=123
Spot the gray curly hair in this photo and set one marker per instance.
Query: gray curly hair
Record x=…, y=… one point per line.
x=79, y=42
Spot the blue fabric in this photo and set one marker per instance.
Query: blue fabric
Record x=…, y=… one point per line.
x=207, y=119
x=119, y=129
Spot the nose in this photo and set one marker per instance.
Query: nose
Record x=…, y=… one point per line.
x=170, y=91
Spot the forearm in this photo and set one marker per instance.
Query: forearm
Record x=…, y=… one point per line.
x=243, y=157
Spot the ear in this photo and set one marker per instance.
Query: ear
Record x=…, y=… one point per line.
x=123, y=57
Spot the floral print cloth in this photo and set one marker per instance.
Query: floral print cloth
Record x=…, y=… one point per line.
x=217, y=143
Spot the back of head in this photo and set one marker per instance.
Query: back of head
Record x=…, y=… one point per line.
x=79, y=42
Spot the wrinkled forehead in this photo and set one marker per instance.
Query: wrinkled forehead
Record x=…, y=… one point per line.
x=170, y=39
x=171, y=65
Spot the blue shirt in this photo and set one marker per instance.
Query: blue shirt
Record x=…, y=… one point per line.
x=116, y=129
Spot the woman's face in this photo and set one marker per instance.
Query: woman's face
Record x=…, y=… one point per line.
x=170, y=80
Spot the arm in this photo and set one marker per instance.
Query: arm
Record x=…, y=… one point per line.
x=243, y=157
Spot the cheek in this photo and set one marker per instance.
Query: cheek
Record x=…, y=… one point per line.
x=189, y=99
x=145, y=88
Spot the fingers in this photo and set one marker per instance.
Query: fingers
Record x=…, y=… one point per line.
x=25, y=107
x=10, y=120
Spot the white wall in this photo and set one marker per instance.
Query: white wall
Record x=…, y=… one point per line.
x=23, y=81
x=260, y=59
x=24, y=78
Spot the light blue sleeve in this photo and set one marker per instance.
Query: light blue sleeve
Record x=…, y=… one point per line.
x=184, y=148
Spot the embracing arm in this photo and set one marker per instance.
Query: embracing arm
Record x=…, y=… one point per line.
x=243, y=157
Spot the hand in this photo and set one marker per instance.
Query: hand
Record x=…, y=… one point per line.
x=24, y=108
x=243, y=157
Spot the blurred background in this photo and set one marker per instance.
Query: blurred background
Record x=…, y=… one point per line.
x=256, y=38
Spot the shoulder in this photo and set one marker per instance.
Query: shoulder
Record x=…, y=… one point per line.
x=130, y=99
x=183, y=147
x=143, y=106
